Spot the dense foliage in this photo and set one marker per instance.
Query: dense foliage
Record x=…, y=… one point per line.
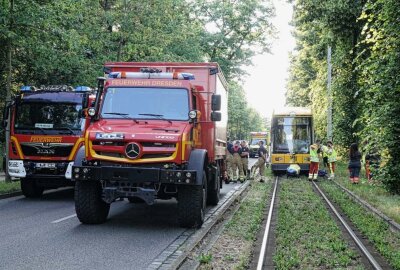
x=365, y=40
x=67, y=41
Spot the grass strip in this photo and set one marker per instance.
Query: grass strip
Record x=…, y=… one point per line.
x=234, y=246
x=8, y=187
x=373, y=193
x=376, y=230
x=307, y=237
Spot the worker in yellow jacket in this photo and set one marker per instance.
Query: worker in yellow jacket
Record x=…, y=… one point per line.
x=314, y=161
x=332, y=157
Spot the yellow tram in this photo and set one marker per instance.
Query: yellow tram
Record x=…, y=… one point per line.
x=291, y=135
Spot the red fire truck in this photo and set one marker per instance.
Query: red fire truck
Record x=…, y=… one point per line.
x=46, y=131
x=158, y=131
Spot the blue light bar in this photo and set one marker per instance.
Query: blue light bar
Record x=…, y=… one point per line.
x=83, y=88
x=187, y=76
x=26, y=88
x=113, y=75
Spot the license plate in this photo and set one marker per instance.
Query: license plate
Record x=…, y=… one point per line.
x=46, y=165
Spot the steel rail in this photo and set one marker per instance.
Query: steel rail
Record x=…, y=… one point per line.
x=267, y=227
x=395, y=226
x=369, y=256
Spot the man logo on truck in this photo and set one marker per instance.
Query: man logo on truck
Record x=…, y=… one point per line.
x=132, y=150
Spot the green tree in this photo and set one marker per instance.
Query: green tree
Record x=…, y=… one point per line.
x=237, y=30
x=242, y=119
x=68, y=41
x=379, y=64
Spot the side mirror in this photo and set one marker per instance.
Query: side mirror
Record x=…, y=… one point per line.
x=216, y=102
x=215, y=116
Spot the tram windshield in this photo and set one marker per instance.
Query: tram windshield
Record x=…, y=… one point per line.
x=291, y=135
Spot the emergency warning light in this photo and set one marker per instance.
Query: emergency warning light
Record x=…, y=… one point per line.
x=56, y=88
x=151, y=75
x=83, y=88
x=26, y=88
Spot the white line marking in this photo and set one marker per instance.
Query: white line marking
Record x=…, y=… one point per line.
x=64, y=218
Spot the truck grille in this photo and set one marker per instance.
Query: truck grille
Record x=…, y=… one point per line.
x=47, y=149
x=149, y=150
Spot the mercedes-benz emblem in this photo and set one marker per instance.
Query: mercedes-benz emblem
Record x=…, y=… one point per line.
x=132, y=150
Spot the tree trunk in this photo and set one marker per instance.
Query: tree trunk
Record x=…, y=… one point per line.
x=8, y=87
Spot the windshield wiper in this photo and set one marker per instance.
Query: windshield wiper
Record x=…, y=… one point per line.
x=159, y=116
x=124, y=115
x=41, y=129
x=67, y=128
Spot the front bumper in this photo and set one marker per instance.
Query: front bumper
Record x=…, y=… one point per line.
x=137, y=175
x=24, y=168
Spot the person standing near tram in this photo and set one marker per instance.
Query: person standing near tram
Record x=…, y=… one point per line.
x=260, y=164
x=229, y=161
x=354, y=163
x=314, y=161
x=237, y=162
x=245, y=159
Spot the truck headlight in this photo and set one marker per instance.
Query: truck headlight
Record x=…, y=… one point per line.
x=13, y=164
x=110, y=136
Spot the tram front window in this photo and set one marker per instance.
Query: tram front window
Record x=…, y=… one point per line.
x=292, y=135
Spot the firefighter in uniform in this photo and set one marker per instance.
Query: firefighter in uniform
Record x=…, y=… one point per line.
x=237, y=162
x=229, y=161
x=314, y=161
x=245, y=159
x=262, y=158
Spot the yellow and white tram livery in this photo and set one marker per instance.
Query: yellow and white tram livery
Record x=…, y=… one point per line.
x=291, y=136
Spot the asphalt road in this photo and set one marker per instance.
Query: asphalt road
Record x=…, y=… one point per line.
x=46, y=234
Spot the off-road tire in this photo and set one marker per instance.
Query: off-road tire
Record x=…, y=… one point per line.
x=30, y=189
x=191, y=205
x=89, y=207
x=212, y=192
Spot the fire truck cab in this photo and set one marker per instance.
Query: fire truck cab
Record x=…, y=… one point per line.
x=46, y=131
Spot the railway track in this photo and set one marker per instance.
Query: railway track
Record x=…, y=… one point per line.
x=368, y=256
x=394, y=225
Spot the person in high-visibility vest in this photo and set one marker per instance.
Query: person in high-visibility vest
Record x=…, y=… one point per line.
x=314, y=161
x=331, y=154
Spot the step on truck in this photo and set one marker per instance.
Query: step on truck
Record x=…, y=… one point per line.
x=158, y=131
x=46, y=130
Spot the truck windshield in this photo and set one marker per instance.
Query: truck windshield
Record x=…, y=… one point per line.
x=291, y=134
x=49, y=118
x=146, y=103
